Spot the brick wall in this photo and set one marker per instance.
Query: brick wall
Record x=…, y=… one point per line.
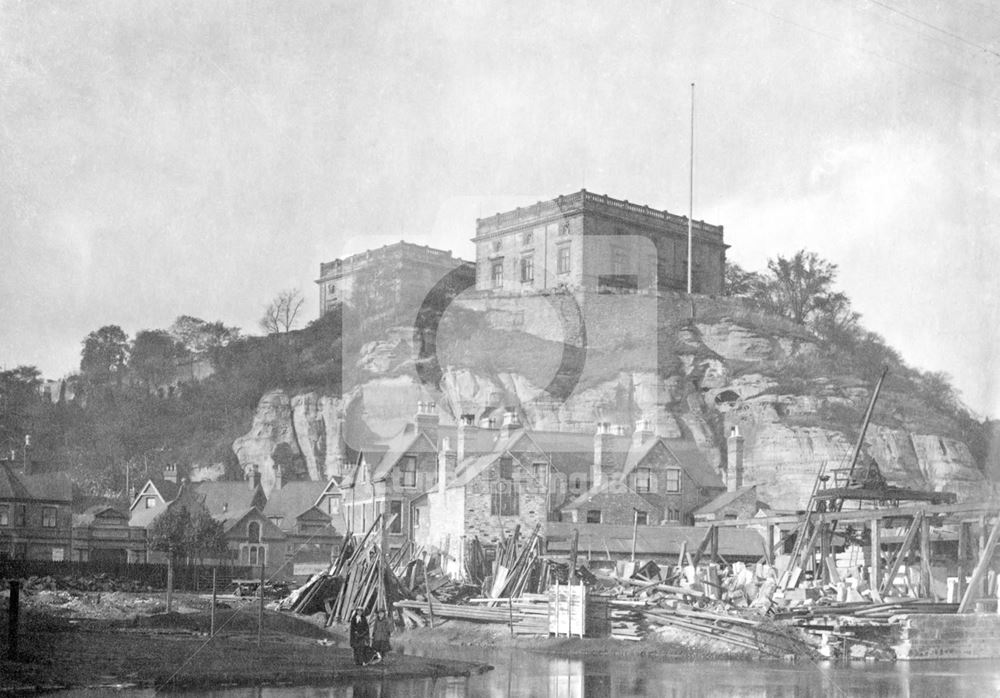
x=949, y=636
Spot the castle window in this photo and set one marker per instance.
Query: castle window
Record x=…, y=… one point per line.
x=526, y=237
x=619, y=261
x=593, y=516
x=497, y=244
x=564, y=230
x=49, y=517
x=527, y=269
x=673, y=483
x=642, y=480
x=496, y=273
x=408, y=475
x=562, y=263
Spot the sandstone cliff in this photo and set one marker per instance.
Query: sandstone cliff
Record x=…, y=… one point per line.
x=694, y=368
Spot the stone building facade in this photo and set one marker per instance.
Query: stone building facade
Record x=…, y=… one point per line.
x=402, y=271
x=596, y=243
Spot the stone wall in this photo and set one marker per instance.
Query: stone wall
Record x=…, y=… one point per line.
x=949, y=636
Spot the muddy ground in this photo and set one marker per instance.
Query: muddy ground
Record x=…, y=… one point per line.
x=75, y=640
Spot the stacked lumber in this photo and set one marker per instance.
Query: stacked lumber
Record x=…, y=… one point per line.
x=627, y=620
x=361, y=577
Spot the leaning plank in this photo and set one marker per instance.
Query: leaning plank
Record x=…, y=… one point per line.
x=911, y=535
x=984, y=562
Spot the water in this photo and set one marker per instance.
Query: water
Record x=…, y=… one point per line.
x=529, y=675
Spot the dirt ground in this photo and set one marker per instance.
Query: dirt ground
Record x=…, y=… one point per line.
x=74, y=639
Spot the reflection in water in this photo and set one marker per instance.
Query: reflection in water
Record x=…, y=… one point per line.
x=528, y=675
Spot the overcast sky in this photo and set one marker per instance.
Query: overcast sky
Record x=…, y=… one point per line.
x=159, y=159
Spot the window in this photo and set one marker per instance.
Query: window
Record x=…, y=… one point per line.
x=527, y=269
x=497, y=244
x=255, y=555
x=593, y=516
x=673, y=480
x=415, y=517
x=619, y=261
x=562, y=263
x=276, y=520
x=504, y=496
x=396, y=516
x=540, y=471
x=527, y=238
x=20, y=515
x=673, y=515
x=253, y=532
x=150, y=502
x=564, y=230
x=4, y=515
x=408, y=475
x=333, y=503
x=48, y=517
x=641, y=518
x=496, y=274
x=642, y=480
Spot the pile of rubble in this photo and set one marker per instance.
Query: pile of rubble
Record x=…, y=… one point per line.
x=93, y=582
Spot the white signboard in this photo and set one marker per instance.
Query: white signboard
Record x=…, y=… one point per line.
x=567, y=609
x=58, y=554
x=307, y=569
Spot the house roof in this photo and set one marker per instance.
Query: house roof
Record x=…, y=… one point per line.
x=227, y=498
x=268, y=529
x=650, y=541
x=91, y=513
x=44, y=486
x=693, y=461
x=407, y=441
x=167, y=489
x=723, y=500
x=294, y=499
x=474, y=465
x=604, y=488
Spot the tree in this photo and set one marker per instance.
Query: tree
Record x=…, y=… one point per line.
x=18, y=398
x=154, y=356
x=281, y=314
x=170, y=533
x=105, y=354
x=206, y=536
x=197, y=336
x=740, y=282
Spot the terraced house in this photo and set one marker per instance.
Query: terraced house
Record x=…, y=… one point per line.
x=36, y=514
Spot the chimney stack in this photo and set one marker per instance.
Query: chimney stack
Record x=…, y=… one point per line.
x=602, y=444
x=643, y=432
x=465, y=432
x=170, y=472
x=734, y=459
x=510, y=424
x=427, y=421
x=254, y=477
x=279, y=480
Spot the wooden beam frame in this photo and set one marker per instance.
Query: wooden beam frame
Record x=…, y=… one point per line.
x=984, y=562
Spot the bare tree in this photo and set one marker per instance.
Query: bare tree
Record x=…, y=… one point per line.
x=282, y=312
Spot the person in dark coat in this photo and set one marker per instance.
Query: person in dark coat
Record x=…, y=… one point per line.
x=381, y=629
x=359, y=635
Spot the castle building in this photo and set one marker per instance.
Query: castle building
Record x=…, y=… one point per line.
x=402, y=271
x=592, y=242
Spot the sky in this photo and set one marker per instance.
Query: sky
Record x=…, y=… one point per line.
x=160, y=159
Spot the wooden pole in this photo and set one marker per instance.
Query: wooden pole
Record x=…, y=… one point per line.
x=904, y=550
x=982, y=547
x=876, y=569
x=635, y=528
x=170, y=580
x=979, y=573
x=13, y=613
x=964, y=531
x=214, y=594
x=430, y=607
x=824, y=550
x=260, y=612
x=925, y=558
x=573, y=553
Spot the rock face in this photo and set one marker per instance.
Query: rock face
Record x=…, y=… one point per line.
x=707, y=376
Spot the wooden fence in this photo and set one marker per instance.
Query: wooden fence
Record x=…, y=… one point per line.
x=186, y=577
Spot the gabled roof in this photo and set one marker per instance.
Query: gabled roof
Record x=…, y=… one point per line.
x=268, y=529
x=407, y=441
x=622, y=494
x=52, y=487
x=99, y=511
x=650, y=540
x=693, y=461
x=294, y=499
x=473, y=466
x=723, y=500
x=227, y=498
x=166, y=490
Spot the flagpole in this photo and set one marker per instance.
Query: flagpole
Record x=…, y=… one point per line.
x=690, y=263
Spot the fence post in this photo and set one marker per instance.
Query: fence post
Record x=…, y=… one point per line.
x=212, y=631
x=12, y=619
